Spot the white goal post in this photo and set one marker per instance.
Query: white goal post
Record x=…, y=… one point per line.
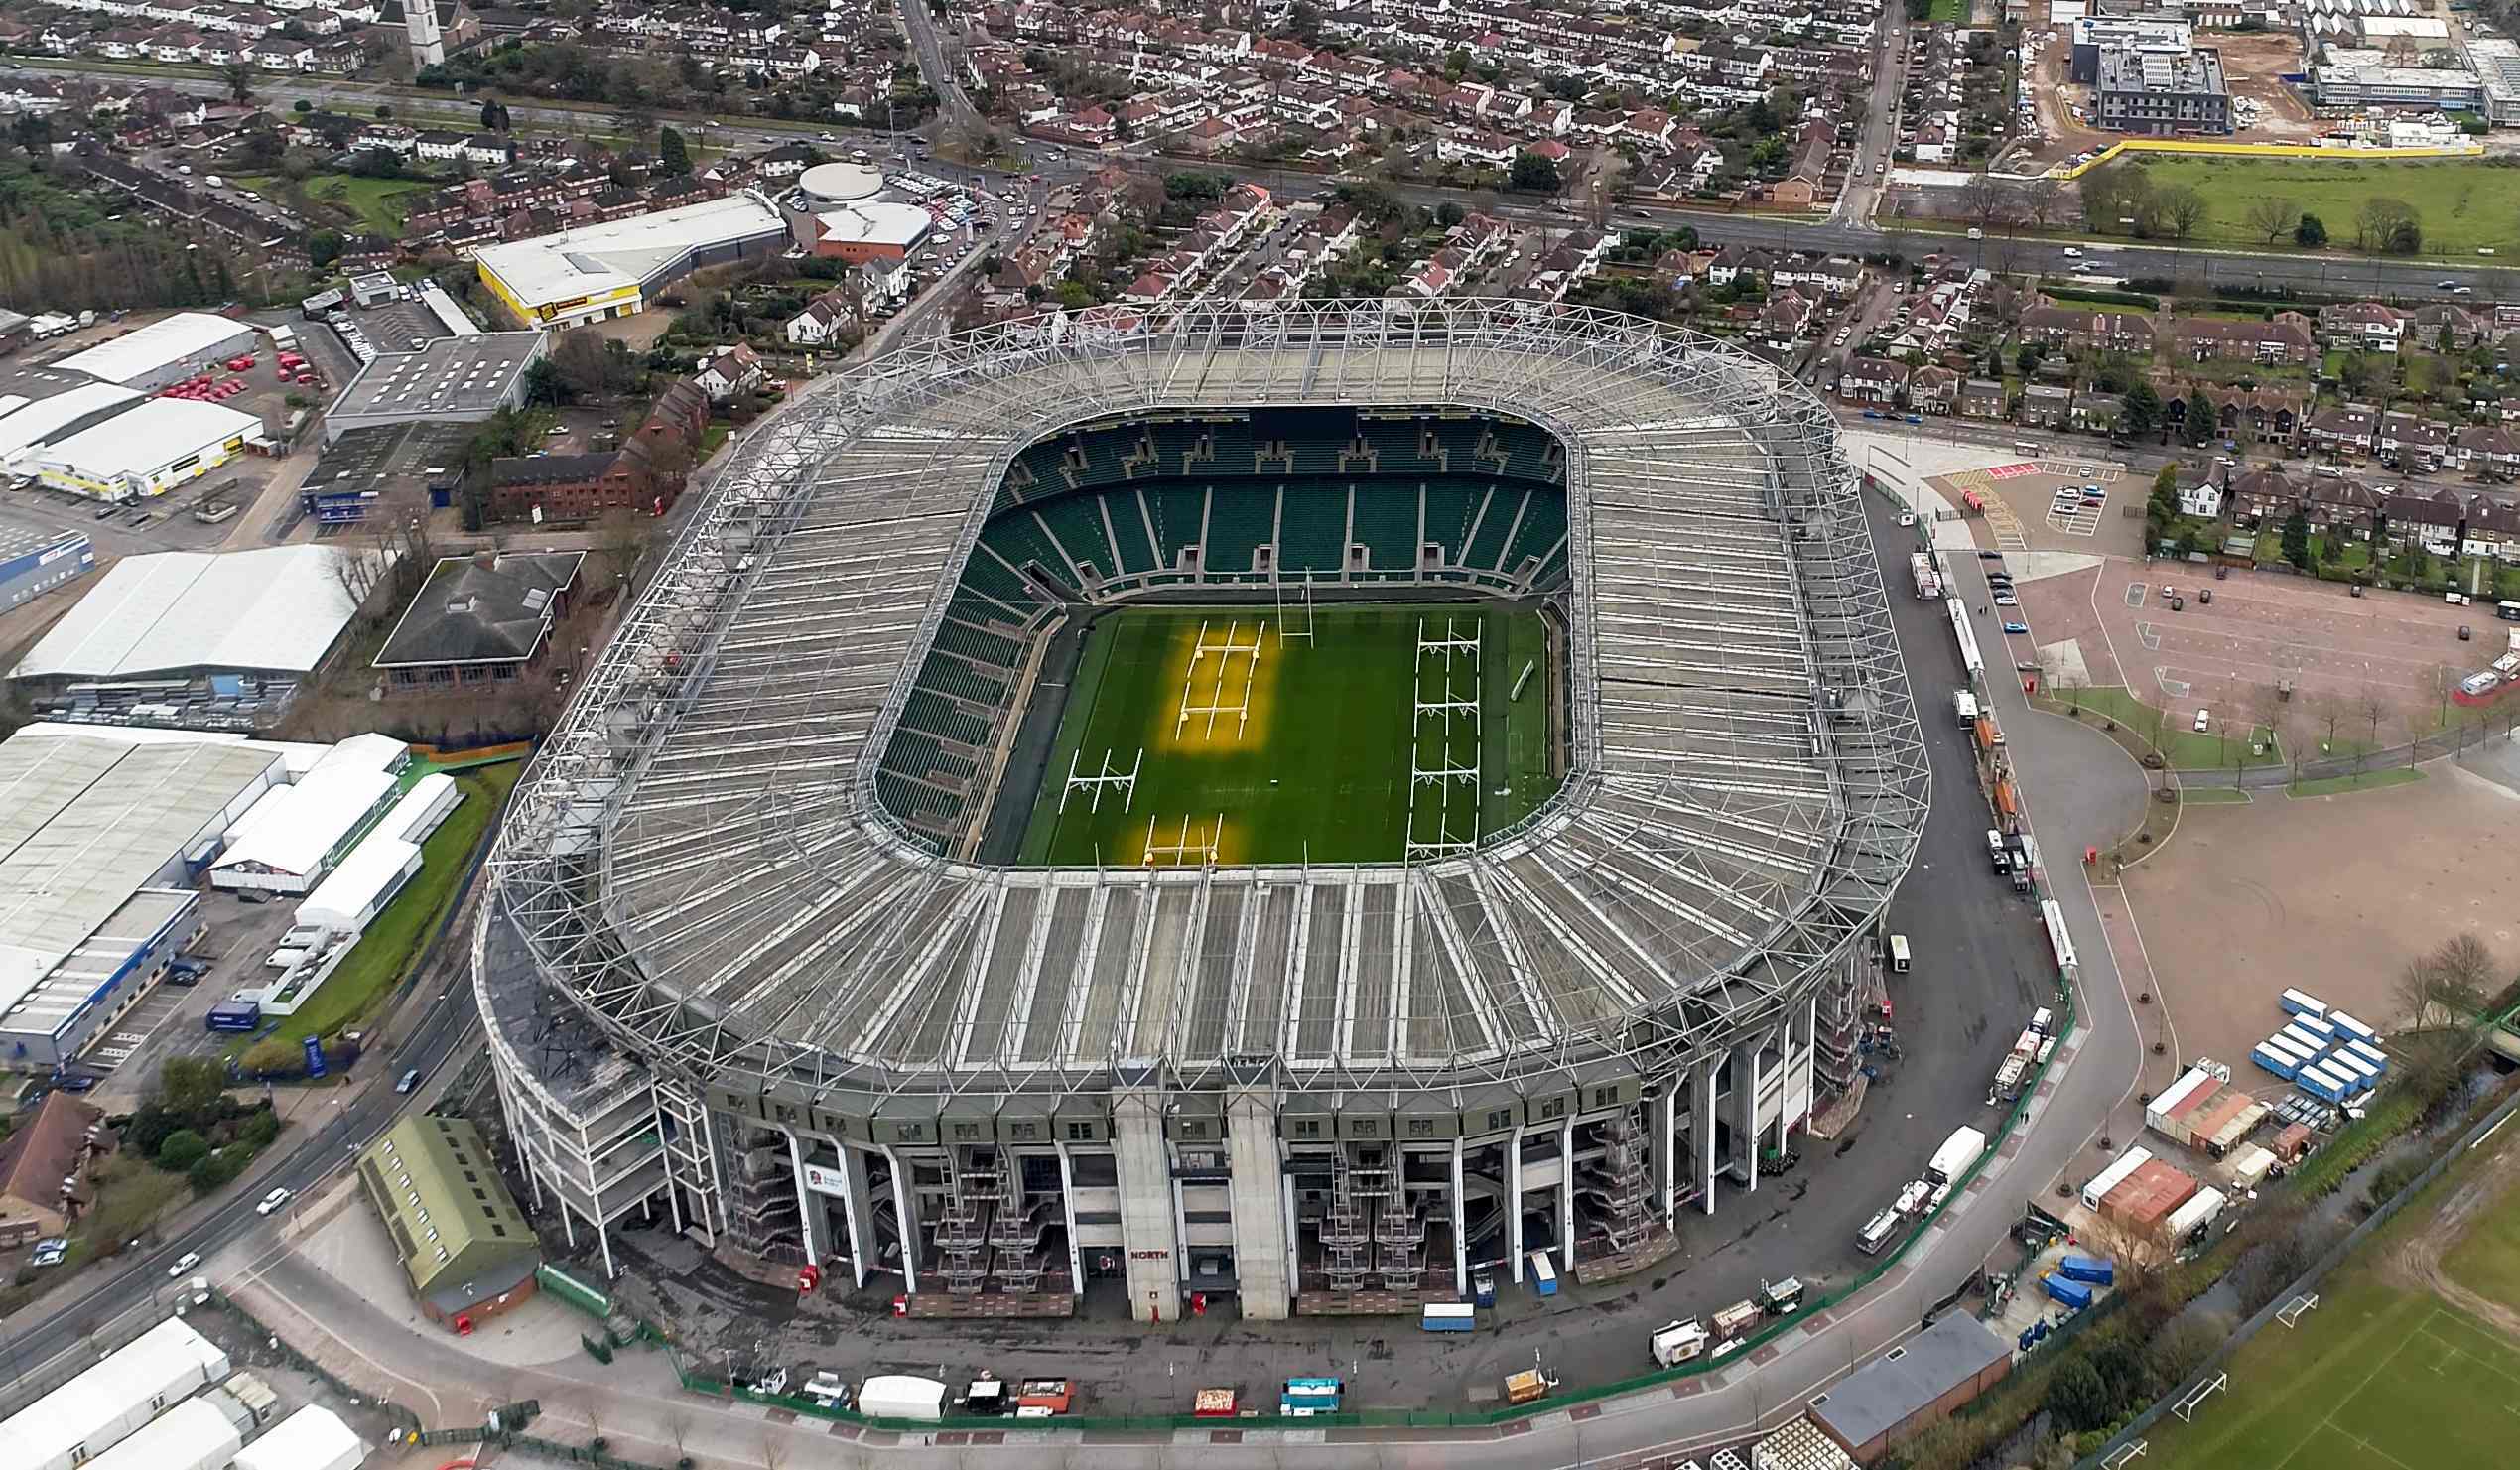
x=2293, y=1310
x=2186, y=1407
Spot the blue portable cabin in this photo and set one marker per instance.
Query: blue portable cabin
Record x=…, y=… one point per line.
x=1449, y=1317
x=2319, y=1082
x=1544, y=1274
x=2271, y=1060
x=1483, y=1288
x=2365, y=1076
x=2088, y=1269
x=1309, y=1396
x=2070, y=1293
x=2319, y=1027
x=2303, y=1041
x=2351, y=1028
x=2299, y=1003
x=2370, y=1053
x=235, y=1016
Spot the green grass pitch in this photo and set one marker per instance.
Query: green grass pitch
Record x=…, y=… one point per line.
x=1304, y=755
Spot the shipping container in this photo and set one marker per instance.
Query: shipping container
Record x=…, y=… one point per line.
x=901, y=1396
x=2235, y=1130
x=1304, y=1398
x=2273, y=1060
x=2073, y=1294
x=1524, y=1387
x=2318, y=1027
x=1449, y=1317
x=2370, y=1053
x=2292, y=1144
x=2318, y=1082
x=1678, y=1341
x=2302, y=1005
x=1735, y=1320
x=2304, y=1041
x=2366, y=1074
x=2352, y=1027
x=2147, y=1197
x=2112, y=1177
x=2089, y=1270
x=2201, y=1210
x=2250, y=1165
x=1544, y=1274
x=2171, y=1099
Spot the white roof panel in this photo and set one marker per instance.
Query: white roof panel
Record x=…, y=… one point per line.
x=35, y=422
x=135, y=354
x=293, y=827
x=622, y=252
x=275, y=609
x=147, y=437
x=375, y=866
x=170, y=1358
x=312, y=1439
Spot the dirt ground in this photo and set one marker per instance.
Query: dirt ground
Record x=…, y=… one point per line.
x=2261, y=627
x=2250, y=65
x=2327, y=894
x=2416, y=1260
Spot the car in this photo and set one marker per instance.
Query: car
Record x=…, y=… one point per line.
x=2462, y=291
x=182, y=1263
x=2203, y=718
x=1872, y=413
x=408, y=1081
x=272, y=1201
x=144, y=518
x=1990, y=556
x=1907, y=517
x=2015, y=626
x=107, y=512
x=2446, y=285
x=44, y=1257
x=2004, y=598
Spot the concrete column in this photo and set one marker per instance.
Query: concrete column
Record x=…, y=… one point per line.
x=1702, y=1125
x=809, y=1204
x=1460, y=1232
x=1146, y=1220
x=1566, y=1197
x=1798, y=1048
x=906, y=1206
x=1662, y=1117
x=1294, y=1241
x=1258, y=1197
x=1067, y=1207
x=1744, y=1165
x=1514, y=1204
x=858, y=1210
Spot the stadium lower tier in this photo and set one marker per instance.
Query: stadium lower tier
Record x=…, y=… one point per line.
x=1237, y=1192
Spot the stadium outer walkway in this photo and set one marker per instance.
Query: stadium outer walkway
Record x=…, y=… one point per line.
x=2080, y=788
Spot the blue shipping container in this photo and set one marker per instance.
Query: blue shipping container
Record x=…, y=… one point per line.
x=2071, y=1294
x=1544, y=1274
x=2087, y=1269
x=1450, y=1316
x=2272, y=1063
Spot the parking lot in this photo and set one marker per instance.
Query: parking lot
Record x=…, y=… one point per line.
x=168, y=1021
x=2060, y=503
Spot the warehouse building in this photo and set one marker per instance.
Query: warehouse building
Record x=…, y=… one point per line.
x=82, y=941
x=40, y=406
x=865, y=230
x=197, y=640
x=452, y=380
x=312, y=1439
x=417, y=461
x=2160, y=95
x=163, y=353
x=463, y=1244
x=1912, y=1387
x=608, y=269
x=2361, y=77
x=101, y=1408
x=32, y=563
x=147, y=450
x=295, y=835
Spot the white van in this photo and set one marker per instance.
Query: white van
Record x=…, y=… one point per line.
x=1899, y=954
x=2203, y=718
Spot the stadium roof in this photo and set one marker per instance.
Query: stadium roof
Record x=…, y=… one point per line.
x=596, y=258
x=136, y=354
x=1747, y=783
x=42, y=419
x=274, y=610
x=148, y=435
x=87, y=820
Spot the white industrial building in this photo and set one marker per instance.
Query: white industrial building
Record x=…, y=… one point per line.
x=167, y=350
x=203, y=1434
x=605, y=270
x=295, y=835
x=147, y=450
x=27, y=422
x=101, y=837
x=362, y=883
x=312, y=1439
x=204, y=639
x=103, y=1407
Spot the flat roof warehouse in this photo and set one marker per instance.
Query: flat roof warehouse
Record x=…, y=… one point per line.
x=601, y=270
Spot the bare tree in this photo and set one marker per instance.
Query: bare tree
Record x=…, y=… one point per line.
x=2330, y=712
x=355, y=569
x=2183, y=210
x=773, y=1450
x=678, y=1427
x=2266, y=711
x=1980, y=198
x=620, y=540
x=2041, y=199
x=2274, y=217
x=2372, y=707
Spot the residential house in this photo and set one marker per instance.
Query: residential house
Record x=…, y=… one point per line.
x=2348, y=430
x=824, y=320
x=43, y=1169
x=2285, y=340
x=1878, y=381
x=2410, y=442
x=1934, y=390
x=2366, y=324
x=2046, y=406
x=2083, y=329
x=482, y=618
x=730, y=371
x=1982, y=398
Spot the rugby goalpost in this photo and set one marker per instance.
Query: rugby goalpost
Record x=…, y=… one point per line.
x=1190, y=846
x=1216, y=703
x=2186, y=1407
x=2293, y=1310
x=1439, y=654
x=1107, y=779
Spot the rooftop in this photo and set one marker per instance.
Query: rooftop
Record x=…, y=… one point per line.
x=1876, y=1398
x=146, y=435
x=413, y=453
x=459, y=1236
x=29, y=421
x=597, y=258
x=453, y=376
x=176, y=338
x=875, y=223
x=2125, y=69
x=469, y=613
x=45, y=1151
x=276, y=608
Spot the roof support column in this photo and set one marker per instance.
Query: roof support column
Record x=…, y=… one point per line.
x=1253, y=1155
x=906, y=1213
x=1703, y=1130
x=1460, y=1231
x=1148, y=1228
x=1744, y=1161
x=1514, y=1202
x=1566, y=1196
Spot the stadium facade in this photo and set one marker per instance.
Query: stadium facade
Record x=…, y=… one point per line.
x=740, y=968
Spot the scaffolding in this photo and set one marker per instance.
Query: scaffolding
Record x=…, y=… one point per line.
x=1622, y=1181
x=961, y=1227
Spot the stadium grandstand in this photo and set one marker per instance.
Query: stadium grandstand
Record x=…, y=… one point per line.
x=750, y=961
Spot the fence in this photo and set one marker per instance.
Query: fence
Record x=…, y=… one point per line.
x=2308, y=1280
x=2451, y=741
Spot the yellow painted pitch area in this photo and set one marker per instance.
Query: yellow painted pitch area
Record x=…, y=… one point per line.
x=1225, y=674
x=1185, y=841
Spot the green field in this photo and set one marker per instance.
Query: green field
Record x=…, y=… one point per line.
x=2464, y=203
x=2380, y=1374
x=376, y=205
x=2186, y=749
x=1304, y=755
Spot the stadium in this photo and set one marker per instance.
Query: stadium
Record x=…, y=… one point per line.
x=1285, y=809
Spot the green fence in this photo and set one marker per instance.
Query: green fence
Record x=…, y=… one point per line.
x=576, y=1294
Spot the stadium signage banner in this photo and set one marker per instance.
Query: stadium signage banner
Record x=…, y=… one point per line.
x=824, y=1181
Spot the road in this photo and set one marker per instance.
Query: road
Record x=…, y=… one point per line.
x=1879, y=135
x=919, y=24
x=447, y=1029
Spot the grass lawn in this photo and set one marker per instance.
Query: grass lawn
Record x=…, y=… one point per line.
x=2371, y=780
x=1951, y=12
x=1320, y=769
x=394, y=940
x=2464, y=203
x=2213, y=796
x=2186, y=749
x=2378, y=1375
x=376, y=205
x=132, y=1193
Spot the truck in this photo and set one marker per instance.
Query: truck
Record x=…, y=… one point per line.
x=1964, y=709
x=2011, y=1077
x=1678, y=1342
x=1877, y=1232
x=1734, y=1320
x=1958, y=1152
x=1781, y=1298
x=283, y=338
x=1928, y=582
x=1524, y=1387
x=898, y=1396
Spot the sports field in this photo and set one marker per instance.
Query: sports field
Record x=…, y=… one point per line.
x=2464, y=203
x=2388, y=1370
x=1252, y=744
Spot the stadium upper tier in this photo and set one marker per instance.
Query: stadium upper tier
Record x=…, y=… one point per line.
x=700, y=856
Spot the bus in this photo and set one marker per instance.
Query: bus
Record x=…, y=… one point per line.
x=2507, y=611
x=1450, y=1316
x=2027, y=447
x=1306, y=1397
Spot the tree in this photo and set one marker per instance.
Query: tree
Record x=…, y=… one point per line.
x=2199, y=422
x=2310, y=234
x=1979, y=198
x=181, y=1149
x=2161, y=508
x=2143, y=408
x=271, y=1057
x=2040, y=198
x=2355, y=373
x=1533, y=174
x=2450, y=981
x=621, y=537
x=2377, y=222
x=2027, y=356
x=188, y=1084
x=2077, y=1396
x=240, y=82
x=212, y=1171
x=2182, y=208
x=2274, y=217
x=2296, y=538
x=671, y=156
x=1448, y=214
